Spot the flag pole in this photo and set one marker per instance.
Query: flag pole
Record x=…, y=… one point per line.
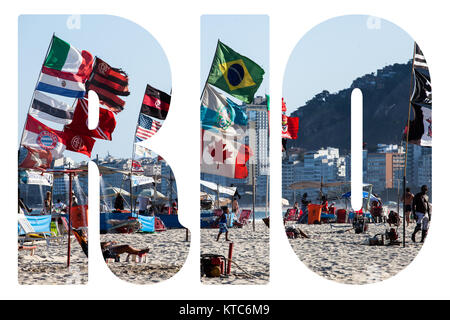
x=133, y=153
x=32, y=97
x=210, y=68
x=406, y=148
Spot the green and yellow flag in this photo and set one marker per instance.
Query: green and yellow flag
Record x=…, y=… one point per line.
x=235, y=74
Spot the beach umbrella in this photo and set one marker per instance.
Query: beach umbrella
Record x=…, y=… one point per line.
x=113, y=192
x=148, y=193
x=365, y=194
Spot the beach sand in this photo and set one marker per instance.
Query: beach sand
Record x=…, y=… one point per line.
x=49, y=266
x=250, y=252
x=168, y=252
x=346, y=257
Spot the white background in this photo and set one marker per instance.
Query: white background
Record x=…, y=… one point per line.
x=176, y=25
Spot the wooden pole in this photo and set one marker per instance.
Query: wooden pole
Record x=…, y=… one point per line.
x=406, y=147
x=253, y=194
x=70, y=220
x=267, y=194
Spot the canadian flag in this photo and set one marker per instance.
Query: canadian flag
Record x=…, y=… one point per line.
x=222, y=155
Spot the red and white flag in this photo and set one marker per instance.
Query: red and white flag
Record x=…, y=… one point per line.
x=36, y=159
x=40, y=137
x=222, y=155
x=79, y=124
x=77, y=142
x=289, y=127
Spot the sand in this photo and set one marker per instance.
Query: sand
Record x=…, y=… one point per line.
x=168, y=252
x=49, y=265
x=346, y=257
x=250, y=253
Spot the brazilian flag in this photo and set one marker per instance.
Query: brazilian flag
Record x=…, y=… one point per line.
x=235, y=74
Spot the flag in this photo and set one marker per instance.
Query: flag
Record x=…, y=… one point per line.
x=35, y=159
x=111, y=79
x=221, y=114
x=47, y=108
x=108, y=83
x=223, y=156
x=156, y=103
x=106, y=122
x=419, y=58
x=420, y=132
x=77, y=142
x=235, y=73
x=141, y=151
x=422, y=89
x=147, y=127
x=40, y=137
x=289, y=127
x=65, y=70
x=136, y=165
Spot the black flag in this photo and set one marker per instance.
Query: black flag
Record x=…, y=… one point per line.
x=419, y=59
x=422, y=89
x=420, y=128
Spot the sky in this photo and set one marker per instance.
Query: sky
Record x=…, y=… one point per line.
x=108, y=37
x=334, y=53
x=246, y=34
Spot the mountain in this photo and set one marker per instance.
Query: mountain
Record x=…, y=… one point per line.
x=325, y=119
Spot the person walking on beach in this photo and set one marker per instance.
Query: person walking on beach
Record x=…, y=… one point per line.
x=421, y=210
x=223, y=224
x=408, y=200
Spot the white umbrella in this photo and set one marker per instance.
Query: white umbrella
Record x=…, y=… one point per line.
x=112, y=192
x=148, y=193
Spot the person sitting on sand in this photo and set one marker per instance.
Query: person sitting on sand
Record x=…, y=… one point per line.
x=111, y=250
x=223, y=224
x=324, y=204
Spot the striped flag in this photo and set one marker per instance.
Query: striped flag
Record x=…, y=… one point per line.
x=147, y=127
x=47, y=108
x=65, y=70
x=156, y=103
x=419, y=58
x=109, y=83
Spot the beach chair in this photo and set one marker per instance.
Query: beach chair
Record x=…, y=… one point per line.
x=80, y=235
x=244, y=216
x=27, y=233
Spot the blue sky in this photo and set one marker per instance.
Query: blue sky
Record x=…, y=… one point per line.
x=108, y=37
x=337, y=51
x=245, y=34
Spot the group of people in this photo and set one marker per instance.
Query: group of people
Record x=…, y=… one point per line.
x=417, y=206
x=420, y=208
x=145, y=206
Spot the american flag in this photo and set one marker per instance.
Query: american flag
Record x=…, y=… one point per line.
x=147, y=127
